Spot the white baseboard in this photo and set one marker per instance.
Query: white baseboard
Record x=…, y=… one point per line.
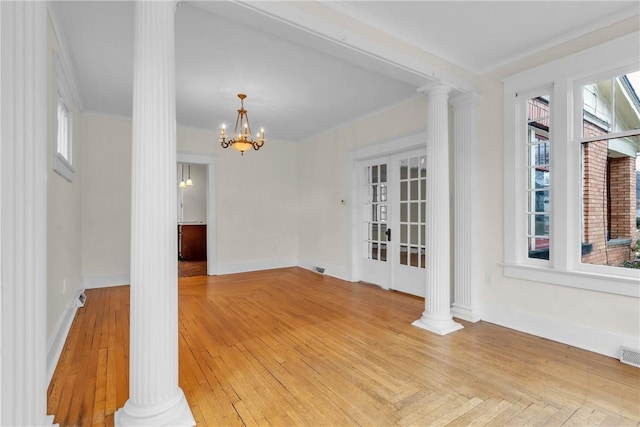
x=48, y=421
x=584, y=337
x=59, y=337
x=255, y=265
x=105, y=280
x=338, y=272
x=465, y=313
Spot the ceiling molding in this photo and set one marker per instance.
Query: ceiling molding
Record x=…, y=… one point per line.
x=362, y=16
x=595, y=26
x=366, y=18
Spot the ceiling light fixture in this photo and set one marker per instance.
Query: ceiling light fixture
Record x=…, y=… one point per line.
x=241, y=138
x=189, y=183
x=182, y=183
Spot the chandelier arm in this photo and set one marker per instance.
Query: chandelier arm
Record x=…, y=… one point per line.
x=246, y=116
x=235, y=129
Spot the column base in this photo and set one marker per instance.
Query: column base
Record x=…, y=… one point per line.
x=438, y=326
x=465, y=313
x=174, y=412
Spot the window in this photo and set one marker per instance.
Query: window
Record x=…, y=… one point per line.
x=63, y=120
x=572, y=137
x=538, y=173
x=610, y=142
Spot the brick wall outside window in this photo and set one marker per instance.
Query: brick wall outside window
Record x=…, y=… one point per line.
x=622, y=182
x=609, y=202
x=595, y=201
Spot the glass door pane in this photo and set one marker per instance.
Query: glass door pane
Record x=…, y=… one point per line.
x=412, y=211
x=375, y=208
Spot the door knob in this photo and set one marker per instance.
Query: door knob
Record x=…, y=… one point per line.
x=388, y=233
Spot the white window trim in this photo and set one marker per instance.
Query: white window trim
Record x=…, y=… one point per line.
x=61, y=165
x=564, y=266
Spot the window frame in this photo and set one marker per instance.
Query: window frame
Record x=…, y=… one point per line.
x=63, y=163
x=564, y=77
x=579, y=140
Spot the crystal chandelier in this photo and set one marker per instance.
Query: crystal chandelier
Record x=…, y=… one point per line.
x=241, y=139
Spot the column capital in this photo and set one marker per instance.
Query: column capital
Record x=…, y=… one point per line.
x=465, y=99
x=435, y=88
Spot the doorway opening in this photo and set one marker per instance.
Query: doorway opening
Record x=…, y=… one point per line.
x=192, y=220
x=195, y=215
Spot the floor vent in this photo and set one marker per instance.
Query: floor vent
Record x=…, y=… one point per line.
x=319, y=269
x=630, y=357
x=81, y=299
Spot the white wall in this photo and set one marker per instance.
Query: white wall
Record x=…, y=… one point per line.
x=256, y=197
x=105, y=165
x=323, y=222
x=64, y=273
x=256, y=201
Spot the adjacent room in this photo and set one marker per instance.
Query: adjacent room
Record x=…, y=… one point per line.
x=320, y=213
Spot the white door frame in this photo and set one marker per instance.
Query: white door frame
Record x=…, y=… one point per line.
x=209, y=162
x=355, y=158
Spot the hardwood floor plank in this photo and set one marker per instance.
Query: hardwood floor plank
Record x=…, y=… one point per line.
x=290, y=347
x=481, y=414
x=560, y=417
x=506, y=417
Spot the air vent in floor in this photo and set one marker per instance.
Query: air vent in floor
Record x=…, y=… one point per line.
x=630, y=357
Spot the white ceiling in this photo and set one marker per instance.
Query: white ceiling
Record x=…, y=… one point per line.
x=300, y=82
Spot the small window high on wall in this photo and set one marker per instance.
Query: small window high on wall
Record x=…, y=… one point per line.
x=63, y=120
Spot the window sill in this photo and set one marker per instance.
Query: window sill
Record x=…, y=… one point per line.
x=587, y=248
x=625, y=241
x=627, y=284
x=63, y=168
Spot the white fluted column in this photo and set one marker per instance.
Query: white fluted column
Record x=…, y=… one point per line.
x=465, y=304
x=154, y=396
x=23, y=213
x=437, y=314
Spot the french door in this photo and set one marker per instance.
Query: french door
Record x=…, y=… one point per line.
x=393, y=213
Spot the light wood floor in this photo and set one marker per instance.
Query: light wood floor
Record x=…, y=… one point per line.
x=292, y=347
